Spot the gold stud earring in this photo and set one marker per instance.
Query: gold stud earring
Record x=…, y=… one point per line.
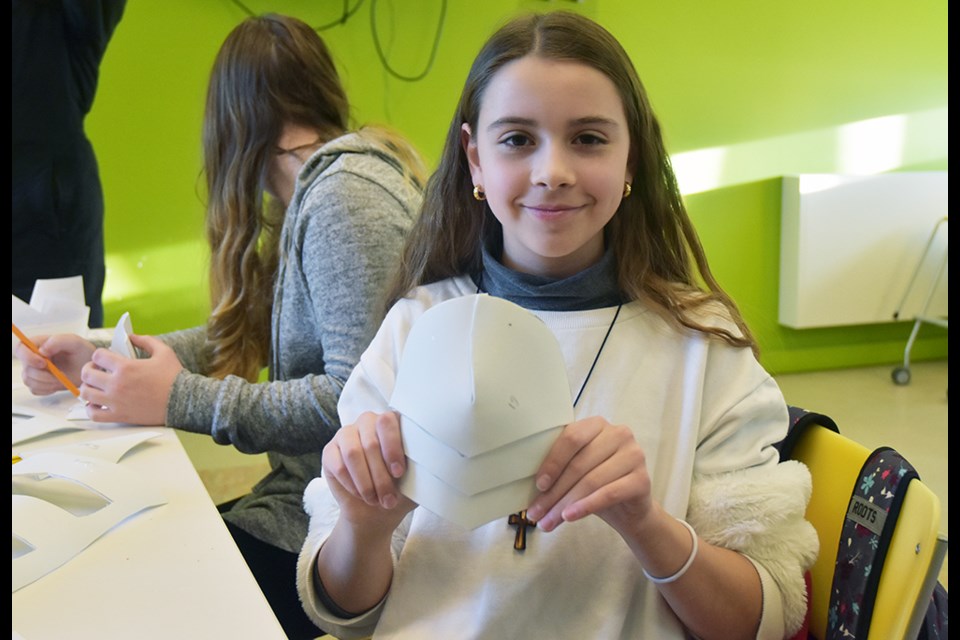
x=478, y=194
x=627, y=189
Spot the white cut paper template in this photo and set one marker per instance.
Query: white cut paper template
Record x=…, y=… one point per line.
x=467, y=511
x=55, y=404
x=520, y=459
x=109, y=449
x=482, y=393
x=78, y=411
x=46, y=535
x=53, y=293
x=121, y=337
x=57, y=305
x=39, y=424
x=38, y=416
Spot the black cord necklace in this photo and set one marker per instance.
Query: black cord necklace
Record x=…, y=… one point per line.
x=519, y=520
x=597, y=357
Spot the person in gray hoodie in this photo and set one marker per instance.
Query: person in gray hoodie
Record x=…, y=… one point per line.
x=306, y=220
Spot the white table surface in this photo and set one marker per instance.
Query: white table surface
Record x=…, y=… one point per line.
x=169, y=572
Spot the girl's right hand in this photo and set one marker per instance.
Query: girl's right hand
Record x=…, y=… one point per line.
x=68, y=351
x=362, y=464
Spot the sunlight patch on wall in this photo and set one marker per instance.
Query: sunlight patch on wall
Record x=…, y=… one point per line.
x=699, y=170
x=871, y=146
x=157, y=269
x=864, y=147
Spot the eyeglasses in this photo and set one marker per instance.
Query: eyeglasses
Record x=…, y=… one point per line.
x=294, y=151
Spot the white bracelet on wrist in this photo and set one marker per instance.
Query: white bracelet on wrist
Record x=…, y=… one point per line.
x=686, y=565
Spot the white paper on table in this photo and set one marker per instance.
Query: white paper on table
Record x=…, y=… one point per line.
x=482, y=391
x=47, y=535
x=40, y=424
x=61, y=405
x=77, y=412
x=35, y=416
x=110, y=449
x=57, y=305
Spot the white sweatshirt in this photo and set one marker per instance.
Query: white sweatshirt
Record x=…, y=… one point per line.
x=706, y=415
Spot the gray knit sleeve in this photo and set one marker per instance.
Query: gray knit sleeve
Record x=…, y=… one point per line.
x=188, y=344
x=290, y=416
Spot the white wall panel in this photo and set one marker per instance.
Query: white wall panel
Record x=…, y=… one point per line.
x=849, y=246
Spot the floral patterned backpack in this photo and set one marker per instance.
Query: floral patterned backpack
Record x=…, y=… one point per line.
x=865, y=537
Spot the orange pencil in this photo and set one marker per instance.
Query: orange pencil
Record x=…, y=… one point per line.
x=52, y=367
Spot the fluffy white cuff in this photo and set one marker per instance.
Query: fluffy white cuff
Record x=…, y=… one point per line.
x=759, y=512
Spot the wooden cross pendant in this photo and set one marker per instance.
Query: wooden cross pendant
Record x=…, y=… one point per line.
x=519, y=520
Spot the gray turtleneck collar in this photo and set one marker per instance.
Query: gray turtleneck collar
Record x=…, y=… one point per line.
x=593, y=288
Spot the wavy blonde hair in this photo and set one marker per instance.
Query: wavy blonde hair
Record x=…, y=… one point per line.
x=270, y=71
x=657, y=251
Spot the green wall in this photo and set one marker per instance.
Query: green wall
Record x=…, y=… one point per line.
x=769, y=87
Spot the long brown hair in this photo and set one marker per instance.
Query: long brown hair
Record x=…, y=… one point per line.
x=270, y=71
x=658, y=254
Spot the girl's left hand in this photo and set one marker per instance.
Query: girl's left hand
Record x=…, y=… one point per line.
x=594, y=467
x=130, y=390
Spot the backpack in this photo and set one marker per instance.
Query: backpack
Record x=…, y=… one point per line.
x=865, y=536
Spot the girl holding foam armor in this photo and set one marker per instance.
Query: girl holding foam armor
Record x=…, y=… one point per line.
x=662, y=511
